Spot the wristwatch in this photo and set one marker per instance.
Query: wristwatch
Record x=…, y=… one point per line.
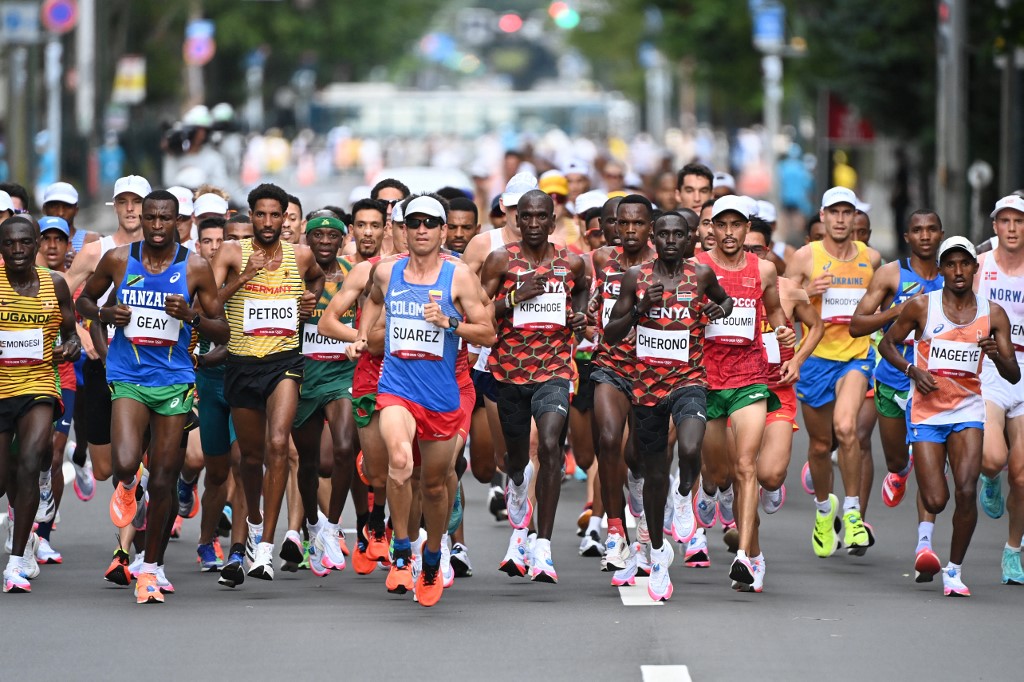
x=195, y=320
x=453, y=323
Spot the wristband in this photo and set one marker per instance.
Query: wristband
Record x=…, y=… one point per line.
x=910, y=366
x=511, y=299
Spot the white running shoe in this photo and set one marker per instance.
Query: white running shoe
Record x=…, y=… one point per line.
x=28, y=560
x=591, y=545
x=136, y=565
x=162, y=582
x=953, y=583
x=697, y=555
x=643, y=533
x=15, y=581
x=252, y=538
x=531, y=542
x=517, y=500
x=635, y=486
x=705, y=507
x=47, y=504
x=329, y=545
x=460, y=561
x=263, y=562
x=659, y=586
x=684, y=523
x=8, y=520
x=447, y=573
x=627, y=574
x=45, y=554
x=542, y=568
x=616, y=553
x=514, y=563
x=643, y=563
x=772, y=500
x=291, y=551
x=668, y=527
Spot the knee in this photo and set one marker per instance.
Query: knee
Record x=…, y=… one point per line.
x=278, y=443
x=433, y=490
x=744, y=468
x=772, y=480
x=584, y=458
x=483, y=470
x=846, y=431
x=966, y=493
x=216, y=477
x=817, y=449
x=400, y=467
x=934, y=502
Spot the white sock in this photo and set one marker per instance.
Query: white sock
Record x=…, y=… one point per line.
x=953, y=567
x=521, y=533
x=446, y=540
x=148, y=568
x=925, y=529
x=823, y=506
x=851, y=503
x=759, y=557
x=14, y=562
x=1012, y=549
x=594, y=525
x=313, y=528
x=740, y=554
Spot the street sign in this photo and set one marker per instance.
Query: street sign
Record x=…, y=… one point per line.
x=199, y=46
x=130, y=80
x=979, y=175
x=59, y=16
x=769, y=26
x=19, y=23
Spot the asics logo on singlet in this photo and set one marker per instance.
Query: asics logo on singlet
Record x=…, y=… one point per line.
x=175, y=277
x=938, y=328
x=827, y=266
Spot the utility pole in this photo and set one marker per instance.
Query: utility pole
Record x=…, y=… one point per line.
x=951, y=116
x=1009, y=108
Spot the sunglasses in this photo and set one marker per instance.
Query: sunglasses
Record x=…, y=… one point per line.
x=429, y=223
x=757, y=250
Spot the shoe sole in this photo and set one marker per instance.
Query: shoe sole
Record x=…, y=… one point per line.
x=741, y=574
x=231, y=576
x=543, y=577
x=664, y=597
x=699, y=560
x=260, y=573
x=593, y=551
x=953, y=593
x=119, y=577
x=525, y=523
x=512, y=569
x=925, y=570
x=461, y=570
x=291, y=552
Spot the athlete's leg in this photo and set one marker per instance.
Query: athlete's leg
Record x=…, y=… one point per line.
x=651, y=429
x=611, y=411
x=251, y=430
x=497, y=433
x=481, y=447
x=166, y=457
x=747, y=431
x=818, y=423
x=893, y=433
x=437, y=459
x=551, y=428
x=867, y=417
x=342, y=426
x=292, y=489
x=307, y=443
x=215, y=495
x=398, y=429
x=995, y=451
x=280, y=413
x=773, y=458
x=34, y=429
x=1015, y=500
x=964, y=451
x=850, y=390
x=715, y=464
x=129, y=421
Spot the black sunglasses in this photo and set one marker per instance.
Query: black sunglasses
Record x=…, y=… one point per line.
x=429, y=223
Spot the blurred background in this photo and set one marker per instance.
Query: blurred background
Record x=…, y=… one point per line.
x=910, y=104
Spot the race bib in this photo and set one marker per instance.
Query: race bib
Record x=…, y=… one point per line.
x=413, y=339
x=771, y=347
x=838, y=304
x=606, y=311
x=954, y=358
x=663, y=347
x=544, y=312
x=152, y=327
x=1017, y=334
x=270, y=318
x=737, y=329
x=316, y=346
x=23, y=347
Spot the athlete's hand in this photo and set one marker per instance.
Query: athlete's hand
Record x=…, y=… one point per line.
x=786, y=337
x=432, y=314
x=120, y=318
x=307, y=304
x=989, y=347
x=578, y=322
x=653, y=297
x=70, y=350
x=531, y=287
x=257, y=261
x=790, y=371
x=714, y=311
x=924, y=381
x=88, y=347
x=355, y=349
x=818, y=285
x=177, y=307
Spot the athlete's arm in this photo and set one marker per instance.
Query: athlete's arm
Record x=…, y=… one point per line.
x=773, y=307
x=109, y=270
x=492, y=275
x=998, y=346
x=227, y=266
x=372, y=307
x=866, y=318
x=71, y=344
x=580, y=291
x=876, y=259
x=910, y=319
x=805, y=314
x=213, y=325
x=478, y=328
x=330, y=324
x=314, y=278
x=476, y=252
x=798, y=269
x=708, y=284
x=627, y=309
x=83, y=265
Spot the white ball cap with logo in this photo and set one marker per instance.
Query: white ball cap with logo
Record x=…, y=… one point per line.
x=839, y=195
x=135, y=184
x=1012, y=201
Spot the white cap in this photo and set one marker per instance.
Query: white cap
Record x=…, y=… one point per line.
x=1013, y=201
x=358, y=193
x=222, y=112
x=723, y=179
x=520, y=184
x=839, y=195
x=595, y=198
x=479, y=169
x=733, y=202
x=396, y=213
x=136, y=184
x=184, y=196
x=766, y=211
x=5, y=201
x=198, y=116
x=957, y=243
x=425, y=205
x=632, y=179
x=210, y=203
x=862, y=206
x=577, y=167
x=62, y=192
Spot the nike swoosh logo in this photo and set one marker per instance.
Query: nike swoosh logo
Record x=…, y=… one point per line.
x=758, y=395
x=701, y=415
x=399, y=292
x=560, y=408
x=293, y=376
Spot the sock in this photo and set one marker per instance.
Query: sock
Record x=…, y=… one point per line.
x=361, y=521
x=130, y=485
x=80, y=454
x=953, y=567
x=726, y=496
x=823, y=506
x=430, y=558
x=44, y=529
x=595, y=523
x=313, y=528
x=14, y=563
x=614, y=527
x=1012, y=549
x=188, y=481
x=402, y=545
x=851, y=503
x=237, y=548
x=905, y=470
x=740, y=554
x=148, y=568
x=521, y=533
x=44, y=478
x=924, y=535
x=687, y=498
x=521, y=476
x=376, y=521
x=759, y=557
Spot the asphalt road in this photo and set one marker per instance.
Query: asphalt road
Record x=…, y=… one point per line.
x=841, y=618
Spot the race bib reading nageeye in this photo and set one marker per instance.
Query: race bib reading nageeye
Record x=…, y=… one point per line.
x=954, y=358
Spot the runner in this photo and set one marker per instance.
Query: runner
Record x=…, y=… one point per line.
x=953, y=328
x=149, y=367
x=37, y=308
x=270, y=288
x=890, y=289
x=536, y=287
x=667, y=301
x=693, y=186
x=835, y=273
x=61, y=200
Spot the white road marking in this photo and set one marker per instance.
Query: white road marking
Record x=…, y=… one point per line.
x=636, y=595
x=665, y=673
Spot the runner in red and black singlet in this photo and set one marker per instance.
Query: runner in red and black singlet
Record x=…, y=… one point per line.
x=535, y=286
x=667, y=300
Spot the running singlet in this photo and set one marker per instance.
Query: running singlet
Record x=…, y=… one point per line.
x=734, y=354
x=153, y=348
x=419, y=357
x=29, y=327
x=367, y=371
x=910, y=285
x=836, y=305
x=774, y=353
x=263, y=315
x=315, y=346
x=669, y=339
x=534, y=340
x=1008, y=292
x=618, y=358
x=952, y=355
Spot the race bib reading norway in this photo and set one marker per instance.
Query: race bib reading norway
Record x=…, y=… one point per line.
x=737, y=329
x=412, y=339
x=771, y=348
x=545, y=312
x=270, y=318
x=954, y=358
x=152, y=327
x=838, y=304
x=21, y=347
x=662, y=346
x=316, y=346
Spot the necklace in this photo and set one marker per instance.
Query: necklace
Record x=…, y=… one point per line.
x=270, y=260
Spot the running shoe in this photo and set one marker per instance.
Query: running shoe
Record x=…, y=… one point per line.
x=725, y=515
x=85, y=481
x=531, y=542
x=805, y=479
x=460, y=561
x=668, y=528
x=825, y=538
x=142, y=508
x=162, y=582
x=697, y=555
x=233, y=572
x=514, y=563
x=47, y=503
x=953, y=583
x=224, y=524
x=28, y=561
x=458, y=507
x=894, y=487
x=643, y=564
x=643, y=533
x=584, y=518
x=616, y=553
x=252, y=538
x=496, y=503
x=135, y=567
x=591, y=545
x=447, y=572
x=8, y=520
x=757, y=565
x=341, y=540
x=542, y=568
x=188, y=498
x=1012, y=573
x=45, y=554
x=263, y=562
x=147, y=590
x=361, y=563
x=741, y=570
x=857, y=539
x=15, y=582
x=517, y=500
x=772, y=500
x=123, y=505
x=684, y=523
x=316, y=557
x=208, y=560
x=627, y=574
x=400, y=580
x=926, y=565
x=328, y=545
x=705, y=507
x=991, y=493
x=291, y=551
x=218, y=549
x=635, y=499
x=117, y=572
x=659, y=586
x=176, y=527
x=377, y=546
x=361, y=468
x=429, y=585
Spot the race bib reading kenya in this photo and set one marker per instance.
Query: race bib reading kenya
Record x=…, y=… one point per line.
x=152, y=327
x=838, y=303
x=663, y=346
x=736, y=329
x=21, y=347
x=316, y=346
x=412, y=339
x=546, y=311
x=954, y=358
x=270, y=318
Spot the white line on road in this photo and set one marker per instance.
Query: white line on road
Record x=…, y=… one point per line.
x=636, y=595
x=665, y=673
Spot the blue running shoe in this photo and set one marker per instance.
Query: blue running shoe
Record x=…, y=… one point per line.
x=991, y=495
x=208, y=561
x=1012, y=573
x=456, y=518
x=233, y=572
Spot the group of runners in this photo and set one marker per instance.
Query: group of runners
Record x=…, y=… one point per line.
x=379, y=354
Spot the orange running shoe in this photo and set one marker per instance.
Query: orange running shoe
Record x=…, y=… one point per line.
x=176, y=528
x=123, y=505
x=147, y=591
x=376, y=546
x=362, y=564
x=117, y=572
x=360, y=470
x=429, y=586
x=400, y=576
x=342, y=543
x=218, y=550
